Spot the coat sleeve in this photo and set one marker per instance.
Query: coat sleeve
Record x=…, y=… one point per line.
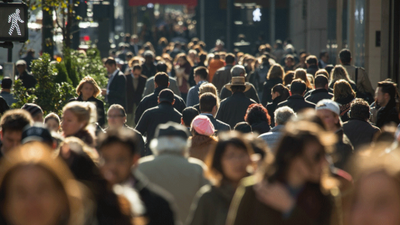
x=139, y=111
x=100, y=113
x=253, y=94
x=239, y=209
x=199, y=209
x=224, y=93
x=190, y=97
x=142, y=124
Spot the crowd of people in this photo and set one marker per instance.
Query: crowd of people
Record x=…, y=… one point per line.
x=194, y=137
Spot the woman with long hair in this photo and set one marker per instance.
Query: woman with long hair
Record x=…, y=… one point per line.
x=291, y=188
x=344, y=95
x=338, y=73
x=302, y=74
x=279, y=94
x=227, y=164
x=183, y=68
x=274, y=76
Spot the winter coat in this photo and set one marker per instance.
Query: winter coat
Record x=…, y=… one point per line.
x=233, y=109
x=360, y=132
x=297, y=103
x=268, y=85
x=317, y=95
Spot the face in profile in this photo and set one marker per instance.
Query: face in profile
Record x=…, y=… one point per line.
x=234, y=163
x=376, y=201
x=34, y=197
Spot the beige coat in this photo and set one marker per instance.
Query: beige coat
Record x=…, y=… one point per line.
x=363, y=82
x=180, y=176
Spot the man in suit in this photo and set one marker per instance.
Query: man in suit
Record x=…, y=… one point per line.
x=116, y=87
x=135, y=83
x=321, y=90
x=200, y=77
x=209, y=107
x=161, y=67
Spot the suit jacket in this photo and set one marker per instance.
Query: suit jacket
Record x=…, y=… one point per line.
x=150, y=86
x=233, y=109
x=133, y=95
x=222, y=77
x=297, y=103
x=251, y=93
x=117, y=90
x=151, y=101
x=218, y=125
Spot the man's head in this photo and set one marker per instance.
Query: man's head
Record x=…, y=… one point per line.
x=329, y=112
x=161, y=79
x=119, y=152
x=136, y=70
x=12, y=124
x=166, y=96
x=111, y=65
x=188, y=114
x=324, y=56
x=38, y=132
x=359, y=109
x=200, y=74
x=134, y=39
x=208, y=103
x=283, y=114
x=298, y=87
x=170, y=137
x=148, y=57
x=345, y=56
x=116, y=116
x=289, y=61
x=6, y=83
x=21, y=66
x=311, y=60
x=161, y=67
x=230, y=59
x=387, y=92
x=321, y=82
x=35, y=111
x=202, y=56
x=238, y=71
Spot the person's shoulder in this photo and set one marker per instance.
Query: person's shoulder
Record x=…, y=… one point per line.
x=177, y=97
x=151, y=79
x=197, y=163
x=142, y=77
x=145, y=160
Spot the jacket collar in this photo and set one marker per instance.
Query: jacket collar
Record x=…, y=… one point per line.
x=296, y=97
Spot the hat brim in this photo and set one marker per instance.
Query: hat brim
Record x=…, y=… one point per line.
x=229, y=86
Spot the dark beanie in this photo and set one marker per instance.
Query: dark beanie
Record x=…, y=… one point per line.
x=33, y=109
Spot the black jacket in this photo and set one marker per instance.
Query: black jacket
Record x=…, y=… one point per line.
x=150, y=101
x=271, y=107
x=28, y=80
x=117, y=90
x=222, y=76
x=312, y=69
x=260, y=127
x=149, y=70
x=360, y=132
x=387, y=115
x=219, y=125
x=317, y=95
x=233, y=109
x=343, y=150
x=268, y=85
x=251, y=93
x=297, y=103
x=101, y=118
x=133, y=95
x=152, y=117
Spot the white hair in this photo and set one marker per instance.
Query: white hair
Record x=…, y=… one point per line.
x=283, y=114
x=170, y=144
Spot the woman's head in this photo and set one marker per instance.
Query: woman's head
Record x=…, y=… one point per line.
x=229, y=160
x=276, y=71
x=342, y=89
x=37, y=188
x=339, y=72
x=302, y=74
x=182, y=59
x=375, y=198
x=288, y=77
x=281, y=92
x=257, y=113
x=88, y=88
x=52, y=122
x=77, y=116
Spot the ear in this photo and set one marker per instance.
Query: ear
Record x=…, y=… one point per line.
x=182, y=121
x=173, y=102
x=158, y=100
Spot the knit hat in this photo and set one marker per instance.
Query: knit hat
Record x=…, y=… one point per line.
x=202, y=125
x=329, y=105
x=33, y=109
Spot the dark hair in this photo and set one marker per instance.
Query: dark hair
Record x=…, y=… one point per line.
x=320, y=81
x=282, y=90
x=345, y=56
x=230, y=58
x=15, y=120
x=243, y=127
x=288, y=77
x=161, y=67
x=161, y=79
x=6, y=83
x=312, y=60
x=322, y=53
x=342, y=89
x=256, y=113
x=289, y=56
x=202, y=56
x=359, y=109
x=298, y=87
x=202, y=72
x=276, y=71
x=207, y=102
x=110, y=61
x=188, y=114
x=390, y=88
x=120, y=135
x=137, y=67
x=238, y=89
x=214, y=157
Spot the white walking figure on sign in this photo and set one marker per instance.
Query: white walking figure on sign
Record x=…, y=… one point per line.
x=14, y=19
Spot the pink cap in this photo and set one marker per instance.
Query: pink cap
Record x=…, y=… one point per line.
x=202, y=125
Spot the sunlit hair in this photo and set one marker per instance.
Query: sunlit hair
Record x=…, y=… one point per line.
x=339, y=72
x=52, y=116
x=84, y=111
x=36, y=154
x=77, y=145
x=209, y=88
x=302, y=74
x=214, y=157
x=288, y=77
x=90, y=80
x=282, y=90
x=342, y=89
x=276, y=71
x=170, y=144
x=322, y=72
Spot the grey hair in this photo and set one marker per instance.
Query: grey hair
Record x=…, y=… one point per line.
x=283, y=114
x=237, y=70
x=170, y=144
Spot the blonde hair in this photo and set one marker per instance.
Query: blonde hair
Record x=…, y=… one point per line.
x=89, y=80
x=84, y=111
x=339, y=72
x=208, y=87
x=342, y=89
x=302, y=74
